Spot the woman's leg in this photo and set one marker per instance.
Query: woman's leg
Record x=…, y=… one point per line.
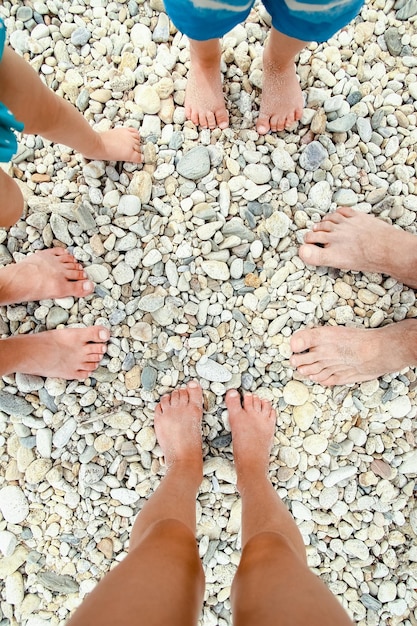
x=44, y=113
x=161, y=581
x=273, y=585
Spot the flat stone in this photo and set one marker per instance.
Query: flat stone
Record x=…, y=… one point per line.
x=212, y=371
x=91, y=473
x=149, y=378
x=387, y=591
x=124, y=496
x=342, y=124
x=278, y=224
x=123, y=274
x=121, y=420
x=58, y=583
x=409, y=464
x=14, y=405
x=194, y=164
x=8, y=542
x=339, y=475
x=64, y=433
x=216, y=269
x=357, y=548
x=151, y=303
x=313, y=156
x=304, y=415
x=282, y=160
x=146, y=438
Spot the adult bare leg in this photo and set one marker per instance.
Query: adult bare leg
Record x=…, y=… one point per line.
x=204, y=100
x=161, y=581
x=44, y=113
x=273, y=585
x=282, y=99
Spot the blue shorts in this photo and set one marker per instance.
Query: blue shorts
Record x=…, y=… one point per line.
x=308, y=20
x=8, y=123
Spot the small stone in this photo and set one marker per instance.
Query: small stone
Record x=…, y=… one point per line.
x=55, y=317
x=399, y=407
x=8, y=542
x=313, y=156
x=64, y=434
x=300, y=511
x=194, y=164
x=357, y=548
x=14, y=589
x=216, y=269
x=149, y=378
x=13, y=504
x=37, y=471
x=295, y=393
x=14, y=405
x=146, y=438
x=212, y=371
x=387, y=591
x=58, y=583
x=129, y=205
x=303, y=415
x=142, y=331
x=342, y=124
x=370, y=602
x=289, y=456
x=409, y=464
x=315, y=444
x=339, y=475
x=278, y=224
x=123, y=274
x=106, y=547
x=91, y=473
x=124, y=496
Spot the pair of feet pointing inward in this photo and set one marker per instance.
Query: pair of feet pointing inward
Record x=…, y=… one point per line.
x=71, y=353
x=178, y=428
x=348, y=239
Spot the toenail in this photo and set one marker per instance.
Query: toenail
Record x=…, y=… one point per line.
x=192, y=383
x=233, y=392
x=88, y=285
x=103, y=334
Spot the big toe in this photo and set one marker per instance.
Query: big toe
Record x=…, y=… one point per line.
x=233, y=402
x=195, y=393
x=98, y=334
x=82, y=288
x=302, y=340
x=263, y=124
x=312, y=254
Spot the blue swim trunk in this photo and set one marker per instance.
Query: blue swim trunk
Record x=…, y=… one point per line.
x=8, y=122
x=308, y=20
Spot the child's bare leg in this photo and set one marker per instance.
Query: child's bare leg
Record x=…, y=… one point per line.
x=273, y=584
x=282, y=100
x=44, y=113
x=161, y=581
x=11, y=201
x=204, y=100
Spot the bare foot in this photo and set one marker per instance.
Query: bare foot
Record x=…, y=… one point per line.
x=204, y=100
x=282, y=99
x=338, y=356
x=253, y=427
x=53, y=273
x=357, y=241
x=178, y=426
x=118, y=144
x=71, y=353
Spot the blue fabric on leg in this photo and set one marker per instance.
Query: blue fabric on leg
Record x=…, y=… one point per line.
x=8, y=122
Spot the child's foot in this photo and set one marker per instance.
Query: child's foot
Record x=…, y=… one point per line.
x=118, y=144
x=71, y=353
x=282, y=99
x=53, y=273
x=204, y=100
x=338, y=356
x=253, y=427
x=178, y=427
x=357, y=241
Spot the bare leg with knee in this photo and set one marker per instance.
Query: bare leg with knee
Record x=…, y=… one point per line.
x=161, y=581
x=273, y=585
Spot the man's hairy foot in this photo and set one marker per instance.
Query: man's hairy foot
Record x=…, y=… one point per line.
x=71, y=353
x=204, y=100
x=118, y=144
x=357, y=241
x=282, y=100
x=253, y=427
x=338, y=356
x=178, y=427
x=53, y=273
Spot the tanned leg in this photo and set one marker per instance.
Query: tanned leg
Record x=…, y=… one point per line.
x=273, y=585
x=161, y=581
